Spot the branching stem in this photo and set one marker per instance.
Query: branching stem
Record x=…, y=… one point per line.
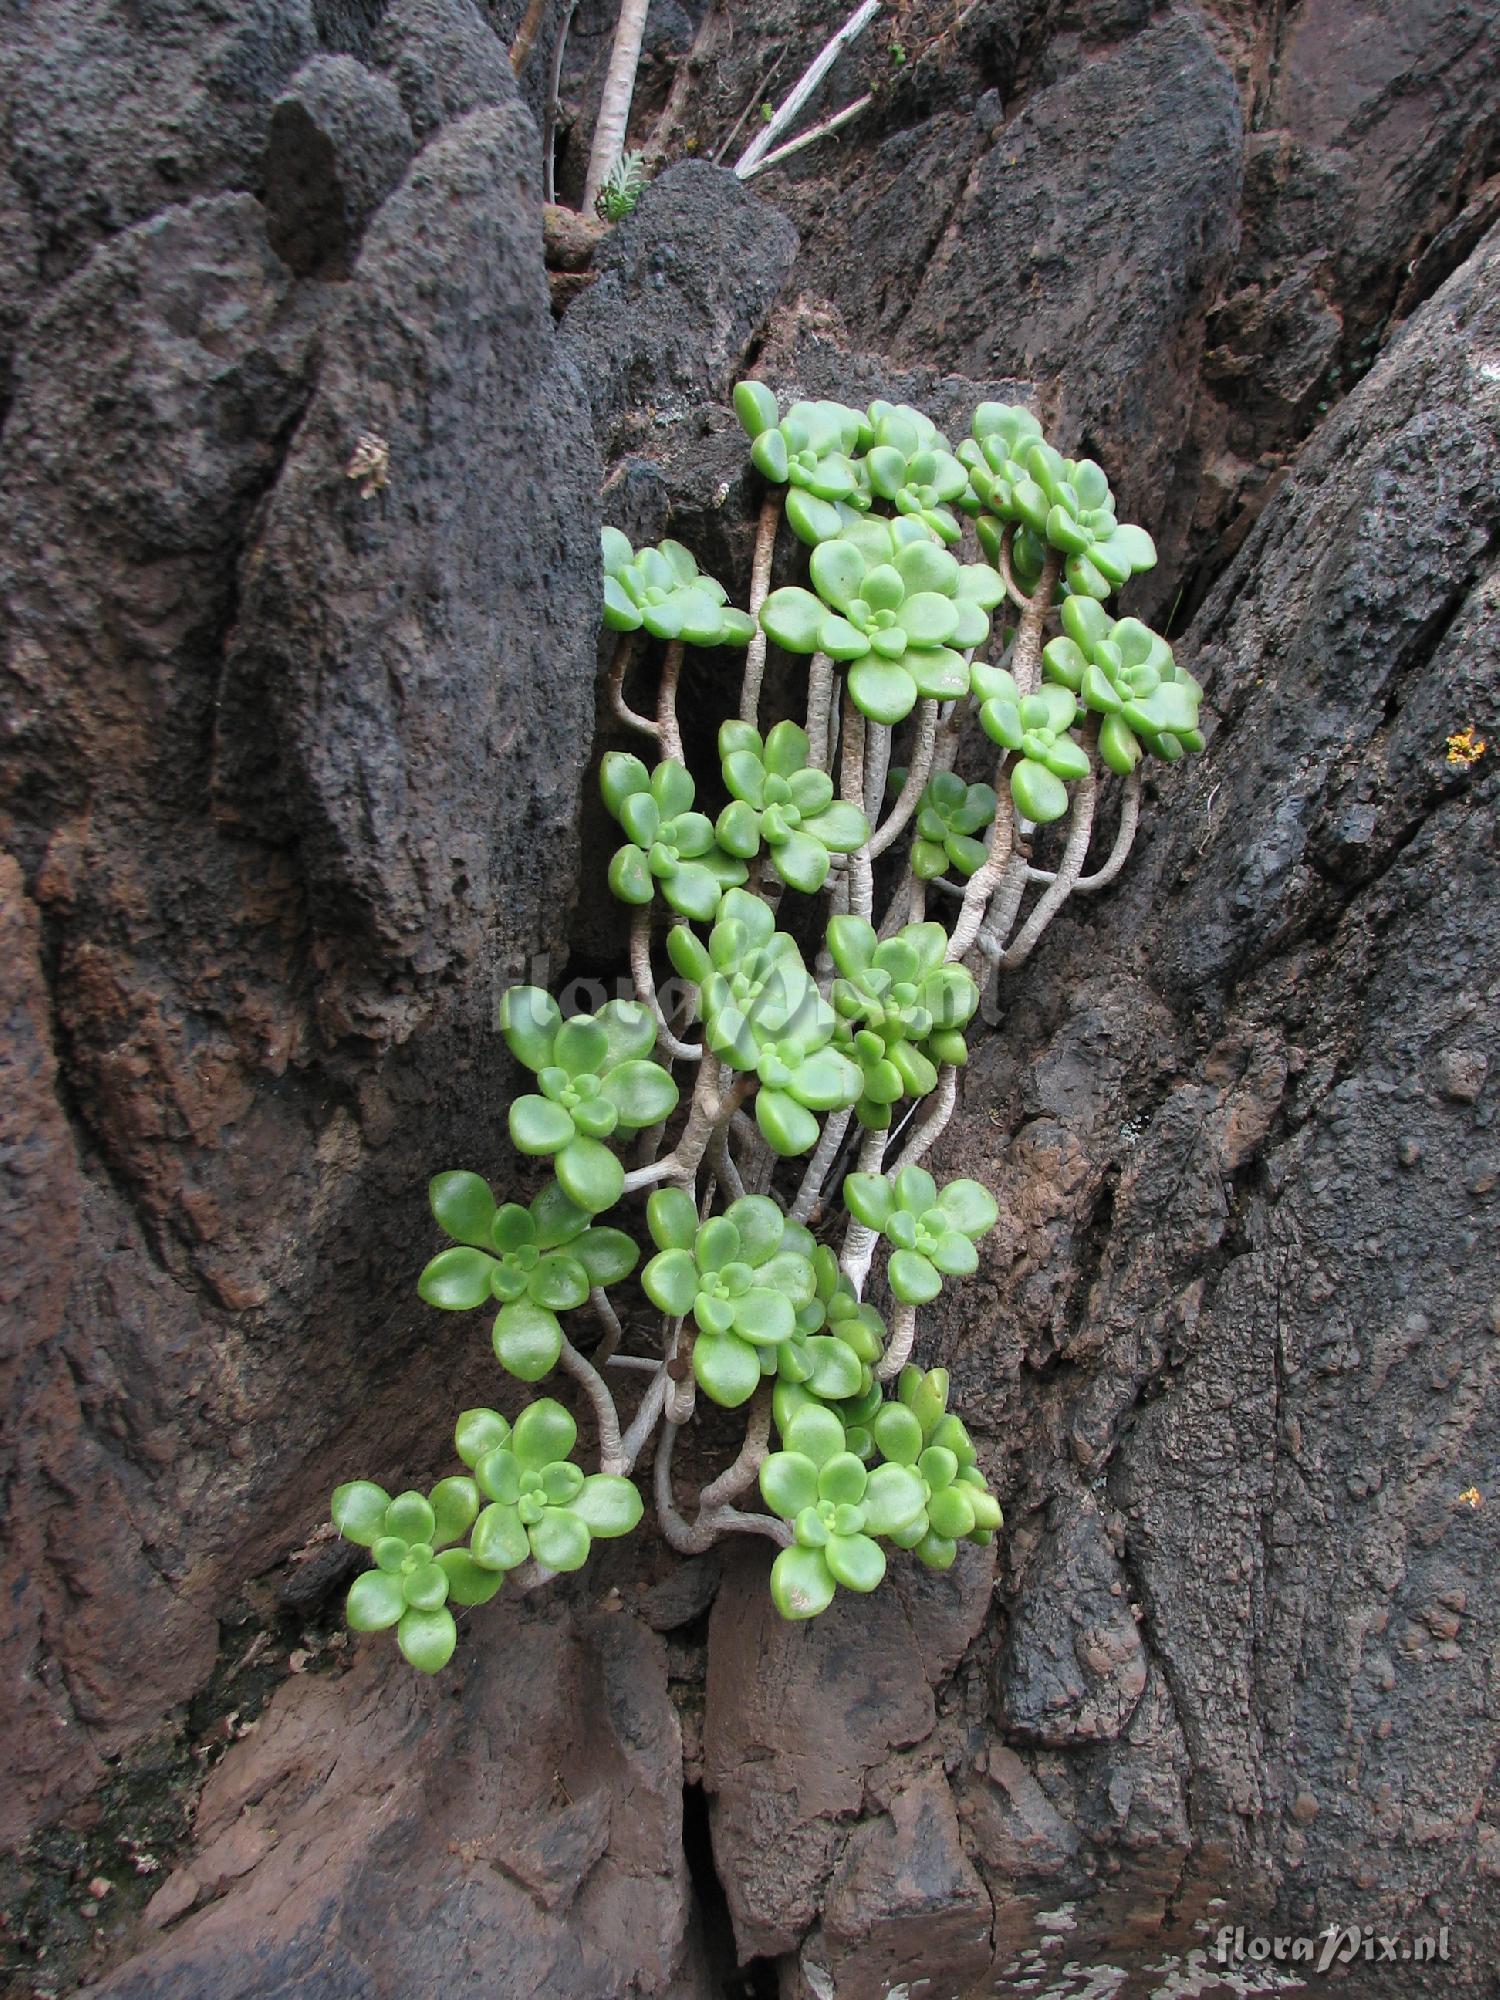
x=760, y=587
x=619, y=667
x=606, y=1416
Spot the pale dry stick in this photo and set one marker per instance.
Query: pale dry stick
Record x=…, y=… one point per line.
x=757, y=96
x=646, y=1418
x=814, y=132
x=644, y=980
x=803, y=89
x=549, y=116
x=898, y=1349
x=916, y=901
x=606, y=1416
x=1068, y=871
x=648, y=1364
x=614, y=104
x=706, y=1530
x=735, y=1479
x=824, y=1155
x=760, y=586
x=526, y=35
x=614, y=1333
x=619, y=666
x=918, y=772
x=859, y=1238
x=934, y=1121
x=666, y=704
x=820, y=679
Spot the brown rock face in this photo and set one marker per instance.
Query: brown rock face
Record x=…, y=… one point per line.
x=276, y=739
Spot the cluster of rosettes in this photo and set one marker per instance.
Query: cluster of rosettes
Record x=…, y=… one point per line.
x=900, y=1470
x=901, y=1011
x=523, y=1499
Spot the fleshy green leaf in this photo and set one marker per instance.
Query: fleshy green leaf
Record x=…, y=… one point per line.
x=527, y=1340
x=375, y=1602
x=608, y=1506
x=801, y=1583
x=590, y=1174
x=359, y=1511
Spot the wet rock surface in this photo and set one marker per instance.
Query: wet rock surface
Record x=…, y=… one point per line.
x=300, y=491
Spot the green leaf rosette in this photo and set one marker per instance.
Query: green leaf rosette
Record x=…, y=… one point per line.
x=778, y=802
x=895, y=622
x=915, y=1430
x=538, y=1261
x=811, y=451
x=416, y=1574
x=541, y=1505
x=763, y=1015
x=662, y=591
x=595, y=1081
x=836, y=1509
x=742, y=1275
x=1126, y=674
x=931, y=1234
x=1035, y=727
x=901, y=1010
x=1018, y=479
x=910, y=466
x=670, y=847
x=837, y=1340
x=949, y=815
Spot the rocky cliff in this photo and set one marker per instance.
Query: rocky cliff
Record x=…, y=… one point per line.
x=299, y=585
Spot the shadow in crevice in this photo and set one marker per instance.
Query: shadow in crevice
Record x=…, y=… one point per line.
x=728, y=1979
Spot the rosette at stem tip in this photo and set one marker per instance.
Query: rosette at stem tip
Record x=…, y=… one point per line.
x=670, y=848
x=895, y=608
x=596, y=1080
x=901, y=1009
x=1126, y=674
x=764, y=1016
x=537, y=1261
x=778, y=802
x=932, y=1235
x=663, y=592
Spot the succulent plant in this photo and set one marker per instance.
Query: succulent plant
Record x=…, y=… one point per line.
x=909, y=464
x=1018, y=478
x=595, y=1080
x=837, y=1340
x=949, y=815
x=670, y=845
x=777, y=800
x=738, y=1278
x=836, y=1509
x=663, y=590
x=931, y=1234
x=915, y=1430
x=901, y=1008
x=541, y=1504
x=810, y=451
x=1121, y=670
x=538, y=1261
x=895, y=623
x=415, y=1574
x=763, y=1016
x=1036, y=727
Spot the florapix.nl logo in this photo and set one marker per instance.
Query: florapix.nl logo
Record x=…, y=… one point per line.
x=1334, y=1945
